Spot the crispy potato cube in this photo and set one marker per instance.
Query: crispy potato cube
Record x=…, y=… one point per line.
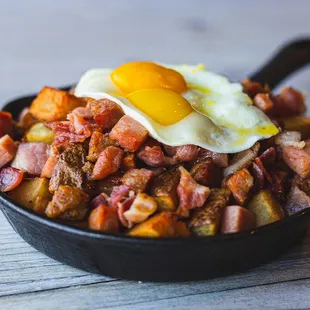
x=39, y=133
x=164, y=224
x=266, y=208
x=298, y=123
x=104, y=218
x=33, y=194
x=52, y=104
x=207, y=220
x=165, y=203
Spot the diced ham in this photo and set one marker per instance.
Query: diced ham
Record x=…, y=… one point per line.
x=122, y=207
x=106, y=112
x=298, y=159
x=240, y=184
x=138, y=179
x=8, y=150
x=128, y=162
x=142, y=207
x=118, y=194
x=108, y=162
x=263, y=102
x=31, y=157
x=129, y=133
x=186, y=153
x=101, y=199
x=104, y=219
x=236, y=218
x=219, y=159
x=191, y=194
x=10, y=178
x=99, y=142
x=152, y=156
x=6, y=124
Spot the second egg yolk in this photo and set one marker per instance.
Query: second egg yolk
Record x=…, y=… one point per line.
x=139, y=75
x=164, y=106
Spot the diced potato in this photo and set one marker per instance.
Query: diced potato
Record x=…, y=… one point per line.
x=266, y=208
x=207, y=220
x=52, y=104
x=39, y=133
x=33, y=194
x=164, y=224
x=298, y=123
x=165, y=203
x=104, y=218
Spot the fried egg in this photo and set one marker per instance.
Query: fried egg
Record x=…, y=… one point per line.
x=181, y=104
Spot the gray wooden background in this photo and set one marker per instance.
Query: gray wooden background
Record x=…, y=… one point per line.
x=53, y=42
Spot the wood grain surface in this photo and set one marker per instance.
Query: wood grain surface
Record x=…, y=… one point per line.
x=53, y=42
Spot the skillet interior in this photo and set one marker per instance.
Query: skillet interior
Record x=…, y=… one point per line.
x=151, y=259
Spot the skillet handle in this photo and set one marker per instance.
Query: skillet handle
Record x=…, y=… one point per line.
x=288, y=59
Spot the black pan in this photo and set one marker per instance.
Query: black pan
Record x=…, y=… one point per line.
x=179, y=259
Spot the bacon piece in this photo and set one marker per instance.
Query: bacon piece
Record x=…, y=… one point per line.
x=129, y=133
x=240, y=184
x=10, y=178
x=122, y=207
x=8, y=150
x=142, y=207
x=128, y=162
x=31, y=157
x=63, y=135
x=298, y=159
x=6, y=124
x=68, y=203
x=50, y=164
x=106, y=112
x=191, y=194
x=289, y=138
x=104, y=219
x=101, y=199
x=118, y=194
x=79, y=121
x=152, y=156
x=263, y=102
x=219, y=159
x=108, y=162
x=138, y=179
x=236, y=218
x=289, y=102
x=98, y=143
x=106, y=185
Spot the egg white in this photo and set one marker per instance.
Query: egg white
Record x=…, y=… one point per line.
x=223, y=120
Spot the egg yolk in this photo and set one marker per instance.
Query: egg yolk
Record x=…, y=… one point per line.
x=134, y=76
x=163, y=106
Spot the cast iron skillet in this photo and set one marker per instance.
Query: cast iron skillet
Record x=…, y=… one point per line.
x=179, y=259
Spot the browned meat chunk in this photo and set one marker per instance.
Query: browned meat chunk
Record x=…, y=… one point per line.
x=128, y=162
x=8, y=150
x=108, y=162
x=205, y=172
x=153, y=156
x=263, y=102
x=106, y=112
x=221, y=160
x=240, y=185
x=138, y=179
x=98, y=143
x=68, y=203
x=236, y=218
x=129, y=133
x=68, y=170
x=253, y=88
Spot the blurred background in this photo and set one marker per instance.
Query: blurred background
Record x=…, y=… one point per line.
x=54, y=42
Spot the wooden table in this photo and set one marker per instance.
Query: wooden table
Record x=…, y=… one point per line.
x=53, y=42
